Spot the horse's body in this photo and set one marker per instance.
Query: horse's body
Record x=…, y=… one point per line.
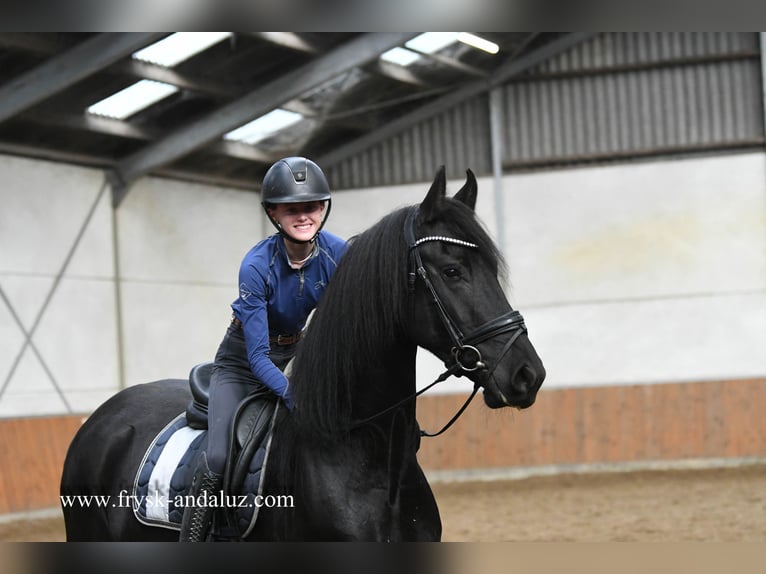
x=347, y=460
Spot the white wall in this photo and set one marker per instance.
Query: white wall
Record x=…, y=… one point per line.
x=634, y=273
x=653, y=272
x=180, y=249
x=43, y=207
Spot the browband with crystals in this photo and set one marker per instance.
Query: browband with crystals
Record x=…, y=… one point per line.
x=443, y=238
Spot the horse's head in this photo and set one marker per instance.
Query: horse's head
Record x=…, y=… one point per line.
x=461, y=313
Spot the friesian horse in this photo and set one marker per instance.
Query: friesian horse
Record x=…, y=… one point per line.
x=425, y=275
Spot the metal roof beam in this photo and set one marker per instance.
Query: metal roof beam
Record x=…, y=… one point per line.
x=290, y=40
x=94, y=124
x=65, y=70
x=39, y=152
x=148, y=71
x=123, y=129
x=241, y=150
x=506, y=71
x=34, y=43
x=100, y=162
x=397, y=73
x=357, y=52
x=43, y=45
x=452, y=63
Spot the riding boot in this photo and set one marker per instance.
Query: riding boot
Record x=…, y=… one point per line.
x=196, y=519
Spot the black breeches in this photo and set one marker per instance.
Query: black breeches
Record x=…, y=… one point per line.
x=231, y=381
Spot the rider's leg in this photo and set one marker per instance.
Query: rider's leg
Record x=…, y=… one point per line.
x=225, y=395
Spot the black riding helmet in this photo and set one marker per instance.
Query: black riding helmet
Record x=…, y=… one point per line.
x=295, y=180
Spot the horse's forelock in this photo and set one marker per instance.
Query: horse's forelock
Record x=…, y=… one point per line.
x=463, y=224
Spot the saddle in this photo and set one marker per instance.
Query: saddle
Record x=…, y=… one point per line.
x=167, y=466
x=251, y=423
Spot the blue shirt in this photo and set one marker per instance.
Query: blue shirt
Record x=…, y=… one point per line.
x=275, y=299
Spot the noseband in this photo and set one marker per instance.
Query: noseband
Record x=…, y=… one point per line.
x=466, y=357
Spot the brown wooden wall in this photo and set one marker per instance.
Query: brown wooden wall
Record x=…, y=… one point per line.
x=32, y=452
x=613, y=424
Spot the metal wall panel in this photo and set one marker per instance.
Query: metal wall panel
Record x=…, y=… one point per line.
x=621, y=49
x=457, y=139
x=634, y=94
x=653, y=111
x=617, y=96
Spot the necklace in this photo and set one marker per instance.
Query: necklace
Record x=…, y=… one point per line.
x=300, y=262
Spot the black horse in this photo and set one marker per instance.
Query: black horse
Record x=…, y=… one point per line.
x=423, y=276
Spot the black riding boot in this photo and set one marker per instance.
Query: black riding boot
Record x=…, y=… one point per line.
x=196, y=520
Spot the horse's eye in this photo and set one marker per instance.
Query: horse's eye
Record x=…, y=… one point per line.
x=452, y=272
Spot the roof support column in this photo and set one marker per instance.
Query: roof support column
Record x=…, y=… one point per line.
x=496, y=119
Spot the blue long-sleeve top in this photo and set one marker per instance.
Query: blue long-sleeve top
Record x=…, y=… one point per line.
x=276, y=299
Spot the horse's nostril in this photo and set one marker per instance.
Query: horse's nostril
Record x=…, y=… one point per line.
x=525, y=378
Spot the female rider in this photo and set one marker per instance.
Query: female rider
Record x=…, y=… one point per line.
x=281, y=280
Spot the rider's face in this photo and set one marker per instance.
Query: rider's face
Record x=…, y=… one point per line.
x=299, y=220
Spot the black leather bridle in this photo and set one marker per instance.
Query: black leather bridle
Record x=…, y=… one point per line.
x=464, y=352
x=466, y=357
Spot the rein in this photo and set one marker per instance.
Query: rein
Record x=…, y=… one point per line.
x=443, y=377
x=466, y=357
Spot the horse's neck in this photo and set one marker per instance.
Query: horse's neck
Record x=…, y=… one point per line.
x=385, y=382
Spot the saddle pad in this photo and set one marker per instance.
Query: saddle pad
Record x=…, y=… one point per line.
x=174, y=450
x=165, y=473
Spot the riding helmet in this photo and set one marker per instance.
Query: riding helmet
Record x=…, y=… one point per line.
x=295, y=180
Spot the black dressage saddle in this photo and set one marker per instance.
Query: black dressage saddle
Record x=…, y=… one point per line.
x=251, y=422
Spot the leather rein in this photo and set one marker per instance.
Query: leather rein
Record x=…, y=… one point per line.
x=466, y=357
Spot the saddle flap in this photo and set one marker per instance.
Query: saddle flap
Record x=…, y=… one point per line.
x=252, y=424
x=252, y=420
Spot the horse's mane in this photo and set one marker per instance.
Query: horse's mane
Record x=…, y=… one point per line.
x=364, y=307
x=360, y=309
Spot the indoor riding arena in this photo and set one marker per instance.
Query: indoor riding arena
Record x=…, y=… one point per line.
x=622, y=177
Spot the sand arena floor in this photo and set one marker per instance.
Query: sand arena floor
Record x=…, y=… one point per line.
x=704, y=505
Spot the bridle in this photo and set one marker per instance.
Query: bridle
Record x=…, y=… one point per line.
x=464, y=352
x=465, y=355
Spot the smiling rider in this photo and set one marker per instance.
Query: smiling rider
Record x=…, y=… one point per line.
x=281, y=280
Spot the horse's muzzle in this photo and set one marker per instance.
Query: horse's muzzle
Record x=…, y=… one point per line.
x=520, y=392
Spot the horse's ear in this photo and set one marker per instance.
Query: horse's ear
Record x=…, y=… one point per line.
x=435, y=195
x=467, y=193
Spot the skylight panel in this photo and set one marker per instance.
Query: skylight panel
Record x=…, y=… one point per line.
x=264, y=126
x=400, y=56
x=178, y=47
x=477, y=42
x=431, y=42
x=132, y=99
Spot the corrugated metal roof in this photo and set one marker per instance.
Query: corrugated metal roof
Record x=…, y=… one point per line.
x=614, y=96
